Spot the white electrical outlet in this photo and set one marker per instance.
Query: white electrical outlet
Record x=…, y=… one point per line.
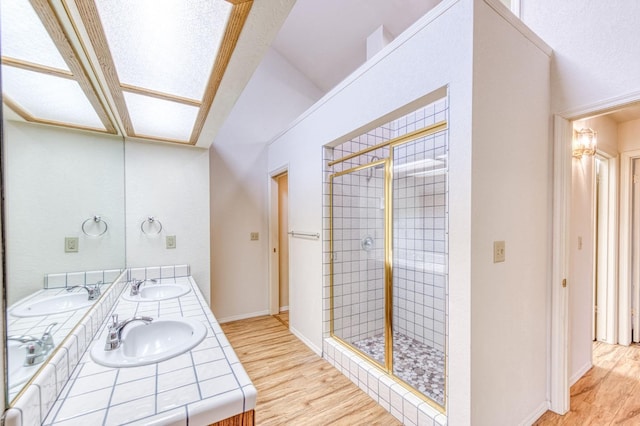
x=499, y=251
x=171, y=241
x=71, y=244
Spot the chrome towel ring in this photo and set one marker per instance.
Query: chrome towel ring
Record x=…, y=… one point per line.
x=151, y=221
x=97, y=220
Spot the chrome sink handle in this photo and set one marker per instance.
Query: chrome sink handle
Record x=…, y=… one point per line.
x=92, y=289
x=114, y=334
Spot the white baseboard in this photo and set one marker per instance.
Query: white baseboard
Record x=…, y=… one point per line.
x=573, y=379
x=284, y=309
x=306, y=341
x=243, y=316
x=535, y=415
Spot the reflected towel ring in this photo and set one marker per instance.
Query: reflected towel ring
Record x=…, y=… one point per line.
x=151, y=220
x=97, y=220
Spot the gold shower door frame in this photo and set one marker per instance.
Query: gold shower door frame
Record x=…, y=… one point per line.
x=388, y=253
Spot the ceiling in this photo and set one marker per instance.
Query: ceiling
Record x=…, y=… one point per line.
x=326, y=40
x=318, y=46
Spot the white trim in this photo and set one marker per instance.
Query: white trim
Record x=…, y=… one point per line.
x=284, y=309
x=612, y=256
x=559, y=350
x=243, y=316
x=602, y=107
x=304, y=340
x=581, y=372
x=624, y=273
x=535, y=415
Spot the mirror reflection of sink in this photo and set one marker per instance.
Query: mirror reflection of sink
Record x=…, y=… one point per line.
x=52, y=305
x=157, y=292
x=17, y=371
x=157, y=341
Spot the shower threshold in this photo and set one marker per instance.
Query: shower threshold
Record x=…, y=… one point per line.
x=417, y=364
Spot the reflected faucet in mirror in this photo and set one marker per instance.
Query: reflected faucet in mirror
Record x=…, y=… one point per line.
x=92, y=289
x=36, y=349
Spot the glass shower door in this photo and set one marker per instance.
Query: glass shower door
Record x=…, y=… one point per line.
x=358, y=259
x=419, y=223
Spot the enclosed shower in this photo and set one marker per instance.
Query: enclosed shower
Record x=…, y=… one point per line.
x=387, y=193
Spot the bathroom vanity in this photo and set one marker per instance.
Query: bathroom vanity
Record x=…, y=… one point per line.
x=203, y=385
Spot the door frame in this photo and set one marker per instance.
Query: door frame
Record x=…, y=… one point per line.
x=559, y=396
x=274, y=245
x=612, y=261
x=624, y=300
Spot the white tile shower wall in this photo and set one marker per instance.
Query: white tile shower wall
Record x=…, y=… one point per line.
x=420, y=271
x=358, y=214
x=420, y=239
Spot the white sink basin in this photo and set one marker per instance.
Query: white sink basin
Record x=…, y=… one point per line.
x=52, y=305
x=18, y=372
x=157, y=292
x=157, y=341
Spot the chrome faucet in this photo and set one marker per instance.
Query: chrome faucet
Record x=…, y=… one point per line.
x=92, y=289
x=36, y=349
x=136, y=284
x=114, y=335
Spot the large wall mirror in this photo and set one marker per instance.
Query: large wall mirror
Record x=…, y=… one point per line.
x=64, y=218
x=64, y=193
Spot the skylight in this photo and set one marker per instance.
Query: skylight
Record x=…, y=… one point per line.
x=43, y=80
x=142, y=68
x=163, y=60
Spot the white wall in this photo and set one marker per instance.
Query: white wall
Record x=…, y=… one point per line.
x=629, y=135
x=171, y=183
x=239, y=186
x=511, y=203
x=592, y=62
x=422, y=60
x=56, y=179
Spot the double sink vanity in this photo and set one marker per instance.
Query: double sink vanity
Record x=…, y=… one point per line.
x=145, y=351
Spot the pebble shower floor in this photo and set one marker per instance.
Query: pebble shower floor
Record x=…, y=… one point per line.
x=416, y=363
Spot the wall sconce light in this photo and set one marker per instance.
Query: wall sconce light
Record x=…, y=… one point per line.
x=584, y=142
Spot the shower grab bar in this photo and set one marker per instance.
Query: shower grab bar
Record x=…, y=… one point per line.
x=314, y=235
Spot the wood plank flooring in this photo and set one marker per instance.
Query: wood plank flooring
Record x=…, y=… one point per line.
x=283, y=317
x=295, y=386
x=608, y=394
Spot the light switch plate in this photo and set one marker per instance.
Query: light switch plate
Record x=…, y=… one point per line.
x=499, y=251
x=255, y=236
x=71, y=244
x=171, y=241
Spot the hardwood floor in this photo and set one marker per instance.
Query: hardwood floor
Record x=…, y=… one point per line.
x=608, y=394
x=283, y=317
x=295, y=386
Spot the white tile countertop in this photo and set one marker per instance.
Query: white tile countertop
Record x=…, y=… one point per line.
x=202, y=386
